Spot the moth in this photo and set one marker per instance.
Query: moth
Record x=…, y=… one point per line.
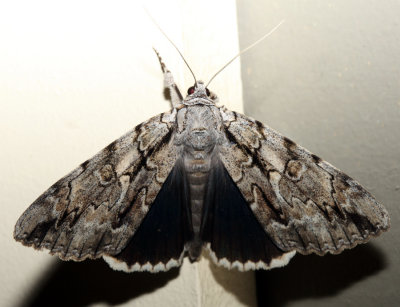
x=201, y=177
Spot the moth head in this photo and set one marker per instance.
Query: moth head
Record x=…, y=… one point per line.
x=199, y=93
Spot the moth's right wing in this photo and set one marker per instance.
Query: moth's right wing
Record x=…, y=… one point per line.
x=96, y=209
x=303, y=203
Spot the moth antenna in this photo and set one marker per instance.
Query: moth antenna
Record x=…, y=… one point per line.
x=246, y=49
x=172, y=43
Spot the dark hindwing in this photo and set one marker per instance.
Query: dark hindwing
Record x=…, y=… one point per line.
x=97, y=208
x=230, y=230
x=158, y=244
x=302, y=202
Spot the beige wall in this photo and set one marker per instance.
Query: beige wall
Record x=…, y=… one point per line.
x=329, y=79
x=74, y=76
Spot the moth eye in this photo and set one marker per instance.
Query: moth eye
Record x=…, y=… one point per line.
x=208, y=92
x=191, y=90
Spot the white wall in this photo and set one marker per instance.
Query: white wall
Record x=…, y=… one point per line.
x=74, y=76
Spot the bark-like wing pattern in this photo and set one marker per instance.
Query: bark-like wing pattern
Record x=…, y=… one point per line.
x=97, y=208
x=302, y=202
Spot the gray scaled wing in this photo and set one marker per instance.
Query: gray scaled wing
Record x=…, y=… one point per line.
x=302, y=202
x=97, y=208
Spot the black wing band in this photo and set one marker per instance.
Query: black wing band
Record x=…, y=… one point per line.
x=158, y=244
x=234, y=235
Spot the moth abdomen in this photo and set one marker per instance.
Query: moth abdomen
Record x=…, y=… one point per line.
x=197, y=167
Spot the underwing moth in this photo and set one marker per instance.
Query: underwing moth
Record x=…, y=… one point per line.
x=201, y=177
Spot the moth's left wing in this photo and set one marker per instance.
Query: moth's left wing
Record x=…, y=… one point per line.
x=99, y=207
x=302, y=202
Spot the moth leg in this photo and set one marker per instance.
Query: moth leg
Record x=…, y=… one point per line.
x=169, y=83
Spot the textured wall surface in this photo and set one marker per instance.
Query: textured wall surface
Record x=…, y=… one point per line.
x=329, y=79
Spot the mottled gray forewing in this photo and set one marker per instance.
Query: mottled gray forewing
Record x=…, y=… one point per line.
x=303, y=202
x=97, y=208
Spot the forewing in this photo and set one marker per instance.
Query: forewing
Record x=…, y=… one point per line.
x=302, y=202
x=97, y=208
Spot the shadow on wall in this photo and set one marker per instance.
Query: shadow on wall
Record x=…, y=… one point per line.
x=89, y=282
x=313, y=276
x=85, y=283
